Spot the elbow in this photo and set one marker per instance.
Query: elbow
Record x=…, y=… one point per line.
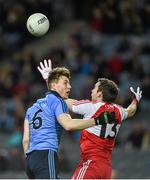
x=131, y=113
x=25, y=142
x=69, y=127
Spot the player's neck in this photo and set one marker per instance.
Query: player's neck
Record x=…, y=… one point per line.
x=98, y=100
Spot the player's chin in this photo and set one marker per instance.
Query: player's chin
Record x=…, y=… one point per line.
x=67, y=95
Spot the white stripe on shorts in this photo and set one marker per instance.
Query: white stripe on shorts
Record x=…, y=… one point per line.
x=83, y=169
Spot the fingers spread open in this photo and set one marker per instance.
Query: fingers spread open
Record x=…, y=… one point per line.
x=42, y=66
x=50, y=64
x=45, y=63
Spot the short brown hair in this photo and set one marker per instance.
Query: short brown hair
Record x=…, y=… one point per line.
x=109, y=89
x=56, y=73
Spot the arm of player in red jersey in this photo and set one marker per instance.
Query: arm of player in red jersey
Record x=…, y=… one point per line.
x=131, y=109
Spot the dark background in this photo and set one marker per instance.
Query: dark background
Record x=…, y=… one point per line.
x=93, y=38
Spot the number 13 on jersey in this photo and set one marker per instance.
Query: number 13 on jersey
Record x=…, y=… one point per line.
x=109, y=131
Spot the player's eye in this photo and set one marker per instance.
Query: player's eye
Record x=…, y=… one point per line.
x=65, y=82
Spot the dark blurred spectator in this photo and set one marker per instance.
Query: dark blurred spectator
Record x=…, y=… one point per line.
x=130, y=17
x=99, y=66
x=145, y=15
x=146, y=140
x=96, y=21
x=87, y=88
x=115, y=64
x=7, y=109
x=111, y=16
x=146, y=93
x=124, y=45
x=135, y=138
x=134, y=66
x=146, y=87
x=80, y=10
x=85, y=64
x=72, y=52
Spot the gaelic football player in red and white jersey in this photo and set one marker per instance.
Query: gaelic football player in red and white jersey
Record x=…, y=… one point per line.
x=97, y=142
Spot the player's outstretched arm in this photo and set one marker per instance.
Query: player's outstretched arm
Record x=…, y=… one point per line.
x=131, y=109
x=44, y=68
x=70, y=124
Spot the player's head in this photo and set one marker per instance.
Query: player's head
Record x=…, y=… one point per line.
x=59, y=81
x=105, y=90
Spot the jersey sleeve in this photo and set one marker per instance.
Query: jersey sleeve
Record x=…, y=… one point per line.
x=123, y=113
x=81, y=107
x=27, y=116
x=60, y=107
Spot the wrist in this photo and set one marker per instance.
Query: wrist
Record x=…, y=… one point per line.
x=99, y=121
x=96, y=121
x=135, y=101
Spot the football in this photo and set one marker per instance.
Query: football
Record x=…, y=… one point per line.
x=37, y=24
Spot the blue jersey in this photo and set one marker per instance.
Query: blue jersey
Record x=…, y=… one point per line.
x=45, y=130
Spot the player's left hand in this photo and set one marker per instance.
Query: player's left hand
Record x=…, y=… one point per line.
x=44, y=68
x=105, y=118
x=137, y=93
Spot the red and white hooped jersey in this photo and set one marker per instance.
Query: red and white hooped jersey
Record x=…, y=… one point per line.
x=102, y=137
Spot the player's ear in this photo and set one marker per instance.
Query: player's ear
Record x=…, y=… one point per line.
x=99, y=94
x=53, y=86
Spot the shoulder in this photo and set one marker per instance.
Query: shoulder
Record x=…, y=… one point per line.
x=118, y=106
x=82, y=102
x=56, y=102
x=122, y=111
x=29, y=110
x=54, y=99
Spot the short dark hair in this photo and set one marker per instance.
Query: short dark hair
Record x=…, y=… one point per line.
x=109, y=89
x=56, y=73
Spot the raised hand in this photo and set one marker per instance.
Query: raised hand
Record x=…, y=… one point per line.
x=137, y=93
x=44, y=68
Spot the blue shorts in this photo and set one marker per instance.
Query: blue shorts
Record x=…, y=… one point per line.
x=42, y=164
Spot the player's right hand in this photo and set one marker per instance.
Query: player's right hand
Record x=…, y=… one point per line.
x=105, y=118
x=44, y=68
x=138, y=93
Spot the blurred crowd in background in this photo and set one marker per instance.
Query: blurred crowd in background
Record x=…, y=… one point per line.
x=113, y=42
